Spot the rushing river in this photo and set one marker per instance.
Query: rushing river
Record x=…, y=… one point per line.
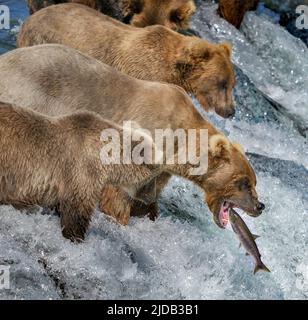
x=183, y=254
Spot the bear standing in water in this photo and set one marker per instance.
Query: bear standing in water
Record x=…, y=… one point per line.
x=173, y=14
x=56, y=163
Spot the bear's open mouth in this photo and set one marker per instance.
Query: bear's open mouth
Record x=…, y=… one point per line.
x=224, y=213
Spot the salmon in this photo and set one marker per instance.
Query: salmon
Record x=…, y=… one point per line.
x=247, y=239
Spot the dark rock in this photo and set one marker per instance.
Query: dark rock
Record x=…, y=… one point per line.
x=288, y=20
x=289, y=172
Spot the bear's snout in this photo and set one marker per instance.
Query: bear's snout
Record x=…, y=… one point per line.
x=229, y=113
x=260, y=207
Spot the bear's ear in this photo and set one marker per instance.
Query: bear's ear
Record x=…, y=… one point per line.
x=219, y=146
x=239, y=148
x=200, y=51
x=184, y=68
x=182, y=14
x=226, y=47
x=136, y=6
x=189, y=56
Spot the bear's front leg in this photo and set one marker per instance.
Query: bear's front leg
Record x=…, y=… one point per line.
x=116, y=203
x=147, y=194
x=75, y=219
x=140, y=209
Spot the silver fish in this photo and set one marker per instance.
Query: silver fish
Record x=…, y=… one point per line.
x=247, y=239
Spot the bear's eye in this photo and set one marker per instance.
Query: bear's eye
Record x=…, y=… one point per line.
x=244, y=184
x=175, y=17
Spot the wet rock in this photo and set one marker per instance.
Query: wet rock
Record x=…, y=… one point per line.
x=289, y=172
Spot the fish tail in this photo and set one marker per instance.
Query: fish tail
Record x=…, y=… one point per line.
x=261, y=266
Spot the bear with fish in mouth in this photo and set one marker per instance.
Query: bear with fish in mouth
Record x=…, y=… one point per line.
x=173, y=14
x=63, y=81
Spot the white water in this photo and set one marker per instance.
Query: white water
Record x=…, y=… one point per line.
x=169, y=259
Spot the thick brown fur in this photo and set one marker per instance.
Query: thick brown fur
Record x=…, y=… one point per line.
x=173, y=14
x=234, y=10
x=63, y=81
x=154, y=53
x=56, y=163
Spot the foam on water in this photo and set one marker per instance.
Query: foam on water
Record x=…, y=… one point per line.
x=269, y=140
x=264, y=137
x=178, y=256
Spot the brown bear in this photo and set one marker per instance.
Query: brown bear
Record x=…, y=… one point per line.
x=173, y=14
x=154, y=53
x=234, y=10
x=56, y=162
x=63, y=80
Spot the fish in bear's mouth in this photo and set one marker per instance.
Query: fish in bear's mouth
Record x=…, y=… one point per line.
x=223, y=215
x=222, y=218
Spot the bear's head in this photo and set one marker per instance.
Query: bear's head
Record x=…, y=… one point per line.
x=230, y=181
x=207, y=72
x=173, y=14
